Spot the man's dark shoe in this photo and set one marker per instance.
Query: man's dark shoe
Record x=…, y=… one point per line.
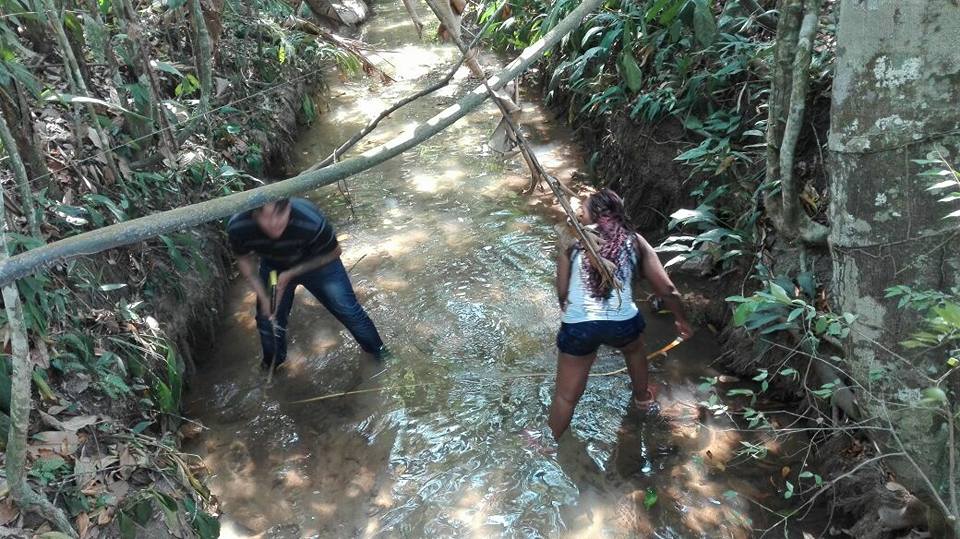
x=383, y=354
x=265, y=364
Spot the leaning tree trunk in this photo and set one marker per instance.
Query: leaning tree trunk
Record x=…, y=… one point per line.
x=203, y=56
x=895, y=95
x=20, y=400
x=20, y=175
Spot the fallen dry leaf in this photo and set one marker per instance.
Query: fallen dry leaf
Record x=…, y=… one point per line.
x=79, y=422
x=8, y=512
x=58, y=441
x=105, y=516
x=83, y=525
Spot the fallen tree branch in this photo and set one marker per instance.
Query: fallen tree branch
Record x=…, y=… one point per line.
x=143, y=228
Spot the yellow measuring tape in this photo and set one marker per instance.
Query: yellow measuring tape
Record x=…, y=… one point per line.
x=661, y=352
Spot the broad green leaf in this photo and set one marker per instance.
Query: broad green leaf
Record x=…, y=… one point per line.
x=704, y=25
x=166, y=68
x=631, y=71
x=779, y=293
x=743, y=311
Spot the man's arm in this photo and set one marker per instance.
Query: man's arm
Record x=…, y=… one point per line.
x=311, y=264
x=288, y=276
x=248, y=268
x=654, y=271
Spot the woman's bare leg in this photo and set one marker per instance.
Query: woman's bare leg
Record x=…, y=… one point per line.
x=572, y=374
x=635, y=355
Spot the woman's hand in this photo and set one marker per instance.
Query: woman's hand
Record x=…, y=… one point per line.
x=683, y=329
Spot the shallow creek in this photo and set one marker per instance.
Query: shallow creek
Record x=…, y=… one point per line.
x=455, y=265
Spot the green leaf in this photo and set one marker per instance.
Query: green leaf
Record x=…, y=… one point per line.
x=205, y=525
x=112, y=286
x=178, y=261
x=942, y=185
x=789, y=493
x=631, y=71
x=934, y=395
x=743, y=311
x=704, y=25
x=128, y=529
x=650, y=498
x=166, y=68
x=141, y=511
x=187, y=86
x=779, y=293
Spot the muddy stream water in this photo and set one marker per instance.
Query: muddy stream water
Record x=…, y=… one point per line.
x=455, y=266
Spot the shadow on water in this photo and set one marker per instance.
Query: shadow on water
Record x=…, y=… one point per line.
x=455, y=266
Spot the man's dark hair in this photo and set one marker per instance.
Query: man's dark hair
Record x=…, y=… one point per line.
x=275, y=175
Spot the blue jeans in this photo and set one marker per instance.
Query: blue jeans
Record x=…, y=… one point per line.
x=331, y=286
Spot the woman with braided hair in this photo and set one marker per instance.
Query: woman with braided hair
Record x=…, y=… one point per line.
x=596, y=311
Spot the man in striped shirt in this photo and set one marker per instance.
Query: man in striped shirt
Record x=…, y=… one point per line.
x=294, y=238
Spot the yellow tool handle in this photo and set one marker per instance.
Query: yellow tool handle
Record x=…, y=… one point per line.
x=273, y=278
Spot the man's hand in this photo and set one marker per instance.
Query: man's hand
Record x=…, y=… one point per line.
x=284, y=279
x=263, y=305
x=683, y=329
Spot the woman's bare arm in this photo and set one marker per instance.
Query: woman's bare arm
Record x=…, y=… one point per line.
x=663, y=287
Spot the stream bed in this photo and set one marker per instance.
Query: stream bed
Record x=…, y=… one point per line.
x=455, y=265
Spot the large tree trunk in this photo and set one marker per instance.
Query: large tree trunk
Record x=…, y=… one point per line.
x=895, y=96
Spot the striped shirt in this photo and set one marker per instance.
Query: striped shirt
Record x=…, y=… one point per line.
x=308, y=235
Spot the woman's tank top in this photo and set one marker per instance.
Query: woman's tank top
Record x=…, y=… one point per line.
x=583, y=307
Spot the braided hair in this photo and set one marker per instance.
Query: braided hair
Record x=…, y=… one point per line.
x=609, y=216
